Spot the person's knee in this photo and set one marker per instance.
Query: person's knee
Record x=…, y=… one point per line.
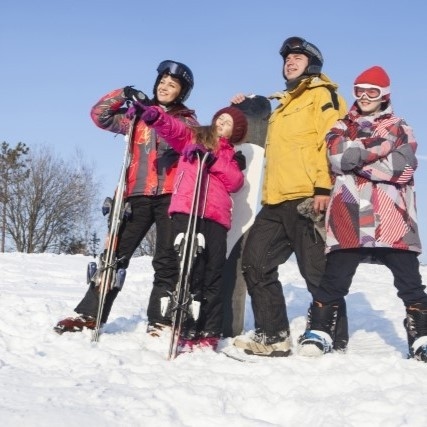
x=252, y=273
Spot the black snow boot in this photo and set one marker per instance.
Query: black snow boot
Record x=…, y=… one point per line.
x=321, y=327
x=416, y=328
x=340, y=340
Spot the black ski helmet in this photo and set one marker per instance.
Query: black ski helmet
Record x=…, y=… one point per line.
x=179, y=71
x=299, y=45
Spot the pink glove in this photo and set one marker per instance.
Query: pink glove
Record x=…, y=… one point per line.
x=148, y=114
x=191, y=151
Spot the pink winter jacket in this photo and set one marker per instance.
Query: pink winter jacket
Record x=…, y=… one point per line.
x=221, y=179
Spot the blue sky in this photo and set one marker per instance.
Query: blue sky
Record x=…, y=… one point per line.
x=59, y=57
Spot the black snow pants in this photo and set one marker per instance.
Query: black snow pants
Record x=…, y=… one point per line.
x=206, y=282
x=146, y=211
x=278, y=232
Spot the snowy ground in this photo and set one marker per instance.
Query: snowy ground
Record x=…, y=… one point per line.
x=125, y=380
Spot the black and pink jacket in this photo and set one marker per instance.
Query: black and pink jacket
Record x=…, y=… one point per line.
x=153, y=165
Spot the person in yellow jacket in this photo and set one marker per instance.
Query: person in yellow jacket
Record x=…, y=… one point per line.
x=296, y=176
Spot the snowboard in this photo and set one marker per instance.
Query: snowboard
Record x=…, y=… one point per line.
x=247, y=203
x=237, y=351
x=237, y=354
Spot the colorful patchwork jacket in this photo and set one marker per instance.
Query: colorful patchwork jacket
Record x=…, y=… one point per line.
x=373, y=198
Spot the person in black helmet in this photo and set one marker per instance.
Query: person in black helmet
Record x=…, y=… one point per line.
x=296, y=187
x=149, y=185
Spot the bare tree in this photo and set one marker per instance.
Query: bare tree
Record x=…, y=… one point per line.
x=54, y=205
x=93, y=244
x=13, y=168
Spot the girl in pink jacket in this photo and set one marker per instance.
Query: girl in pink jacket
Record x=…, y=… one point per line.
x=222, y=175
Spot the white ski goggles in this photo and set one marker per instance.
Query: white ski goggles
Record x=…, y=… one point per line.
x=372, y=92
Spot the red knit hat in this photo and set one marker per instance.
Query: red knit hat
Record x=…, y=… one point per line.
x=240, y=123
x=375, y=76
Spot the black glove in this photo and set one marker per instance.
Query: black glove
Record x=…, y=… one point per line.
x=135, y=95
x=210, y=160
x=240, y=158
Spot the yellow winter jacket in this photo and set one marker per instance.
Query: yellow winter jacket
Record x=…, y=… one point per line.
x=295, y=150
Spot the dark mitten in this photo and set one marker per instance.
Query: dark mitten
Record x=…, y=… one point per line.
x=210, y=160
x=240, y=158
x=135, y=95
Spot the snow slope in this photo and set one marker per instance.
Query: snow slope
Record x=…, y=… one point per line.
x=125, y=380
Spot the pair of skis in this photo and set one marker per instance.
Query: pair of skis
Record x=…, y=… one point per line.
x=105, y=275
x=188, y=245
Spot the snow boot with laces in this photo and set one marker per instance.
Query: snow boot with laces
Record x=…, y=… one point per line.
x=340, y=338
x=318, y=340
x=266, y=344
x=416, y=328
